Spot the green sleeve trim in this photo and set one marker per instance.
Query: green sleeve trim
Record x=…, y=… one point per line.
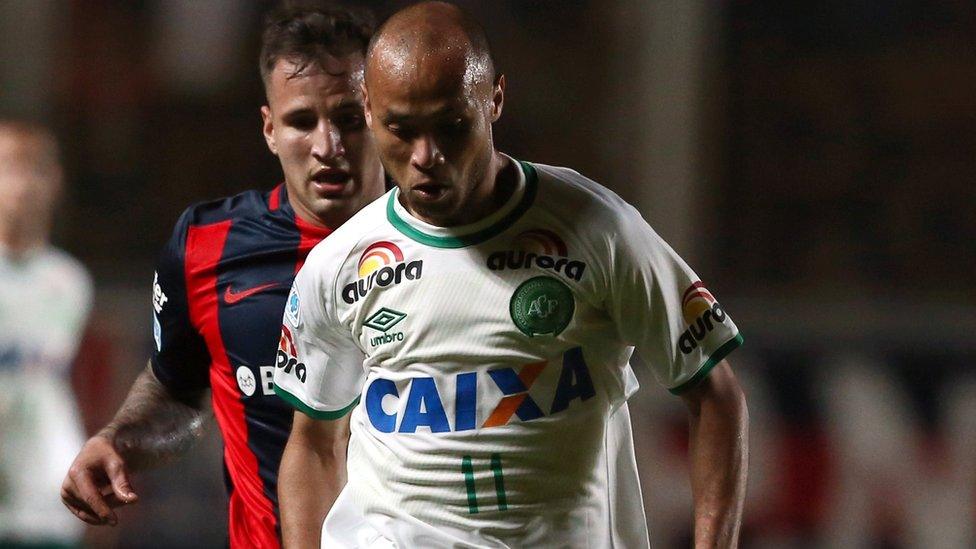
x=308, y=410
x=531, y=184
x=716, y=357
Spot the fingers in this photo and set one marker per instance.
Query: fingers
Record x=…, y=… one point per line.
x=83, y=510
x=79, y=508
x=97, y=482
x=113, y=500
x=121, y=489
x=87, y=498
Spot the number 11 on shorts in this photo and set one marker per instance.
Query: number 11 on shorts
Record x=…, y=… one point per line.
x=467, y=468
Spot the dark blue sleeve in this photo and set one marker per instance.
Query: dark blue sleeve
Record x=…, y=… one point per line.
x=180, y=359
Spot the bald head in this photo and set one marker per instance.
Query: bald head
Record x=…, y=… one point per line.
x=431, y=39
x=431, y=97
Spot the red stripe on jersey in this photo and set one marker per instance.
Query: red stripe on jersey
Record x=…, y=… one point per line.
x=252, y=520
x=275, y=199
x=309, y=236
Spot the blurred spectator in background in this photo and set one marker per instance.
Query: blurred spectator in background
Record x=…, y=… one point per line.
x=45, y=298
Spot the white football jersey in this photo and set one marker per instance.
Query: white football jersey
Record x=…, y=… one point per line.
x=487, y=362
x=45, y=297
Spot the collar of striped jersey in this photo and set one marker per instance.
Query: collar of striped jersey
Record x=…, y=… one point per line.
x=475, y=233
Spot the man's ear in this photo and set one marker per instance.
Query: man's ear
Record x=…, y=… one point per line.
x=267, y=127
x=366, y=109
x=498, y=98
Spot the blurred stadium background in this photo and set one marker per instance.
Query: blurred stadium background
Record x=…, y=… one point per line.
x=814, y=161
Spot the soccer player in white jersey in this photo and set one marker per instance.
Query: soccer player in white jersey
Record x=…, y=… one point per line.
x=473, y=327
x=45, y=296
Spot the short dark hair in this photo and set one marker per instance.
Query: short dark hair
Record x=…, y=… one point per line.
x=305, y=31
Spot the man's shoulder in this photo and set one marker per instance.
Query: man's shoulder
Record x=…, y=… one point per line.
x=247, y=204
x=566, y=192
x=250, y=204
x=211, y=214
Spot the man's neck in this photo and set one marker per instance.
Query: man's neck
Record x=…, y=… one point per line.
x=504, y=179
x=489, y=196
x=302, y=214
x=19, y=243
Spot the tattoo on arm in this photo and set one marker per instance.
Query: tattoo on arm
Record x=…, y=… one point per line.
x=154, y=426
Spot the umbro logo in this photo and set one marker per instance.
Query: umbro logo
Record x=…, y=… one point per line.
x=231, y=297
x=383, y=320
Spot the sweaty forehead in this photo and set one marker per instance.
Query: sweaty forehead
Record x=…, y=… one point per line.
x=425, y=67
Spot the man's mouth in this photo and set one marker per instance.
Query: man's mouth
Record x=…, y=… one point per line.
x=429, y=190
x=327, y=181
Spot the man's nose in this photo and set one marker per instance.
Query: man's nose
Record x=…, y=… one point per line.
x=327, y=142
x=426, y=153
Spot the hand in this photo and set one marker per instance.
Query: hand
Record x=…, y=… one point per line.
x=97, y=483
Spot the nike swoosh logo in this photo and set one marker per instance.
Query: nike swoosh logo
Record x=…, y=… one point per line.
x=231, y=298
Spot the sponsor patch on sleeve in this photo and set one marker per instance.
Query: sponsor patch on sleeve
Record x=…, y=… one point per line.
x=287, y=359
x=702, y=313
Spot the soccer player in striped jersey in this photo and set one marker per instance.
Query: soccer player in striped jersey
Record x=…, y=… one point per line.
x=223, y=278
x=472, y=331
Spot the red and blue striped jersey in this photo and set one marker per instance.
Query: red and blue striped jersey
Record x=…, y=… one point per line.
x=218, y=297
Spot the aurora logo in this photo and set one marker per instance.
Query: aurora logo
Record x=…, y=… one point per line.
x=381, y=264
x=699, y=309
x=539, y=248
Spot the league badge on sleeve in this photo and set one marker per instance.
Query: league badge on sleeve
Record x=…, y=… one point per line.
x=157, y=333
x=293, y=307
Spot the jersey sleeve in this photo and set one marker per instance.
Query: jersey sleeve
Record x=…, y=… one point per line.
x=180, y=359
x=660, y=306
x=319, y=368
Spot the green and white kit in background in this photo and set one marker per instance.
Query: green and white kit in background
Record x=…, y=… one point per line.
x=486, y=367
x=45, y=298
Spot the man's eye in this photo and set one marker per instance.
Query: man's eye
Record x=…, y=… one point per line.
x=400, y=131
x=303, y=122
x=454, y=126
x=351, y=121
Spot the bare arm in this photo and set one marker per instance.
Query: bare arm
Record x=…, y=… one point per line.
x=719, y=455
x=313, y=471
x=151, y=427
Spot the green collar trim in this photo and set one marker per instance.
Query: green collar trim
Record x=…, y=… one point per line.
x=411, y=232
